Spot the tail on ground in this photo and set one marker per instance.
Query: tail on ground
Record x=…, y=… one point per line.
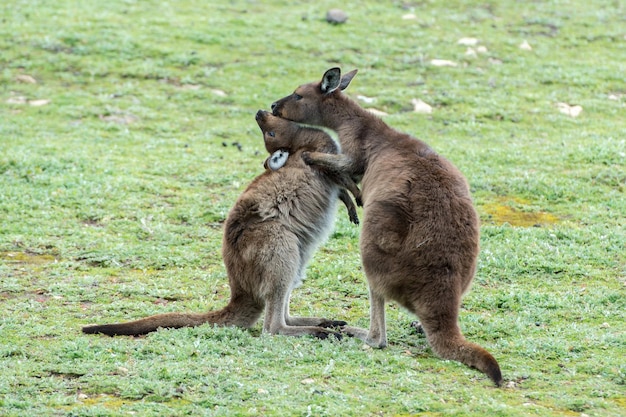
x=456, y=347
x=231, y=315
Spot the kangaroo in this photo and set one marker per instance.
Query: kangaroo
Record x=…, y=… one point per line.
x=420, y=235
x=269, y=236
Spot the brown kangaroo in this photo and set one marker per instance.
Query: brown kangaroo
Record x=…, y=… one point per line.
x=269, y=236
x=420, y=234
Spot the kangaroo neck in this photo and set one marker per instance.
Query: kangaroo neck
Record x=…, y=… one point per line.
x=361, y=133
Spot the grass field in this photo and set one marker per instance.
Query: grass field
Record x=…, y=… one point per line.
x=127, y=131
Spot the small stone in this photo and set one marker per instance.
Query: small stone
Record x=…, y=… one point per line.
x=468, y=41
x=365, y=99
x=525, y=46
x=219, y=93
x=336, y=16
x=421, y=107
x=307, y=381
x=38, y=103
x=24, y=78
x=442, y=63
x=572, y=111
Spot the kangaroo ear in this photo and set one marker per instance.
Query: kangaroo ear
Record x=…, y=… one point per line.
x=345, y=80
x=331, y=80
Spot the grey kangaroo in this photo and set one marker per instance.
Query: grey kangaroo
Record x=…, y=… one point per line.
x=420, y=237
x=269, y=237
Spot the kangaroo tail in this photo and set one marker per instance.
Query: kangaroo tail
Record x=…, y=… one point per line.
x=234, y=314
x=456, y=347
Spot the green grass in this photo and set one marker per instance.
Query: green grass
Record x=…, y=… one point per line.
x=112, y=197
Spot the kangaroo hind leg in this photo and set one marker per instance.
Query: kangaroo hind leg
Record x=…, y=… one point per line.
x=310, y=321
x=283, y=271
x=376, y=336
x=276, y=313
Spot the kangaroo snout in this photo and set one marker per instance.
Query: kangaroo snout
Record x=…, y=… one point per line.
x=260, y=115
x=276, y=108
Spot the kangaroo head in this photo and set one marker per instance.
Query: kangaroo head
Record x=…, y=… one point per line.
x=306, y=104
x=278, y=134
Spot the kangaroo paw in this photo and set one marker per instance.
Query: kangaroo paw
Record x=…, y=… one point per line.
x=417, y=326
x=325, y=334
x=332, y=323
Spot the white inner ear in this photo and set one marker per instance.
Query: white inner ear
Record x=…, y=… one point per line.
x=330, y=81
x=278, y=159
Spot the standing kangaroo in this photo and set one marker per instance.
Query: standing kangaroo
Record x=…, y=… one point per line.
x=269, y=236
x=420, y=234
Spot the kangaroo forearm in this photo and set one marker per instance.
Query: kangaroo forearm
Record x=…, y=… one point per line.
x=345, y=197
x=338, y=168
x=336, y=164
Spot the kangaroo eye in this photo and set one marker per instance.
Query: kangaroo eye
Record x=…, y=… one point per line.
x=297, y=96
x=272, y=134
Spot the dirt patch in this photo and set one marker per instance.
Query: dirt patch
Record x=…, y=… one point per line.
x=27, y=258
x=517, y=212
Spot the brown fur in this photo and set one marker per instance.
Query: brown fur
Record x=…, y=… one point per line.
x=269, y=236
x=420, y=235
